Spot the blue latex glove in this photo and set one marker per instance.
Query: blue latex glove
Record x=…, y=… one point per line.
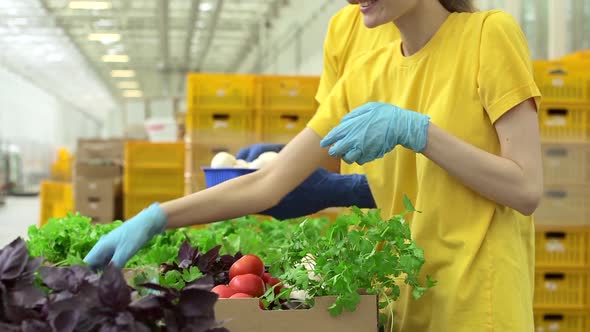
x=372, y=130
x=324, y=189
x=252, y=152
x=123, y=242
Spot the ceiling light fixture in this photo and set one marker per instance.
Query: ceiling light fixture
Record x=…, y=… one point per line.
x=90, y=5
x=115, y=58
x=123, y=73
x=205, y=7
x=104, y=37
x=132, y=93
x=128, y=85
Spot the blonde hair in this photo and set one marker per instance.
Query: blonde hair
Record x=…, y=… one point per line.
x=458, y=6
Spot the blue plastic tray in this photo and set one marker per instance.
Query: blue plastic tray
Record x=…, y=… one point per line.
x=215, y=176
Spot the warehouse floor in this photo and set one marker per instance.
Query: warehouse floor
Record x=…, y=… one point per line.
x=16, y=216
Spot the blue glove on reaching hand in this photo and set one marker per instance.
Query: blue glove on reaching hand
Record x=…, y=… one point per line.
x=123, y=242
x=252, y=152
x=372, y=130
x=321, y=190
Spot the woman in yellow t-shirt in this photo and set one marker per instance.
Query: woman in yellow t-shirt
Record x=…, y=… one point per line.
x=447, y=116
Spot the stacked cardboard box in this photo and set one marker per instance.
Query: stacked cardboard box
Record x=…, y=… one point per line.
x=98, y=179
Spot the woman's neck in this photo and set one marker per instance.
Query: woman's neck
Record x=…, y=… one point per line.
x=420, y=24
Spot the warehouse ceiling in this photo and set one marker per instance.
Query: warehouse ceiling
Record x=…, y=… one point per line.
x=120, y=49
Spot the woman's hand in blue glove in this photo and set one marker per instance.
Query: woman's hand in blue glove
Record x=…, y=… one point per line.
x=252, y=152
x=123, y=242
x=372, y=130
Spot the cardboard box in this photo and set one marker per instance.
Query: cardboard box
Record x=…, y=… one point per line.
x=97, y=171
x=110, y=151
x=98, y=192
x=99, y=199
x=244, y=315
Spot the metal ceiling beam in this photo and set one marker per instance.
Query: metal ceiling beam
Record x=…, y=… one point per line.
x=163, y=9
x=192, y=23
x=246, y=48
x=211, y=35
x=110, y=88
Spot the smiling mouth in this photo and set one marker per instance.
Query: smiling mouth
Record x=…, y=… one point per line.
x=366, y=4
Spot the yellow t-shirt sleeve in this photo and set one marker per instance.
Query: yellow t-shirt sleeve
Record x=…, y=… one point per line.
x=329, y=75
x=331, y=111
x=505, y=77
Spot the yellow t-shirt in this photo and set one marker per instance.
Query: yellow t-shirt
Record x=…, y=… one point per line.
x=473, y=70
x=347, y=39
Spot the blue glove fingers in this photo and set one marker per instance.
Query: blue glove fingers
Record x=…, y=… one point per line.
x=341, y=148
x=243, y=153
x=122, y=255
x=361, y=110
x=99, y=255
x=335, y=135
x=352, y=155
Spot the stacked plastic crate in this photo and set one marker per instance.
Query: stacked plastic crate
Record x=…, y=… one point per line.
x=57, y=200
x=153, y=172
x=220, y=117
x=562, y=283
x=284, y=106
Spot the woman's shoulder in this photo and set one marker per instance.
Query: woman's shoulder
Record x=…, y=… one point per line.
x=488, y=19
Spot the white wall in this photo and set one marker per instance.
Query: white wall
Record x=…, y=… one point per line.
x=29, y=113
x=293, y=45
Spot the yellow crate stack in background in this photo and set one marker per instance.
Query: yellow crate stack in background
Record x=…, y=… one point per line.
x=153, y=172
x=562, y=277
x=57, y=199
x=219, y=117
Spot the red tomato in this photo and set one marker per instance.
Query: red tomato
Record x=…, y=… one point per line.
x=249, y=284
x=224, y=291
x=275, y=281
x=261, y=305
x=248, y=264
x=266, y=277
x=240, y=296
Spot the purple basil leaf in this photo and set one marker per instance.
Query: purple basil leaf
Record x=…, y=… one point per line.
x=227, y=261
x=65, y=321
x=19, y=314
x=199, y=324
x=238, y=255
x=205, y=261
x=35, y=326
x=205, y=283
x=219, y=329
x=113, y=291
x=5, y=327
x=197, y=303
x=169, y=267
x=54, y=277
x=170, y=321
x=185, y=264
x=27, y=296
x=13, y=259
x=125, y=318
x=147, y=308
x=185, y=252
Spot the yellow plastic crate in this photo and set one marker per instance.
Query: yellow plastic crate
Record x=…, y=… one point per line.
x=577, y=57
x=281, y=127
x=563, y=82
x=559, y=247
x=135, y=203
x=220, y=92
x=563, y=289
x=566, y=163
x=56, y=200
x=221, y=126
x=288, y=93
x=564, y=122
x=564, y=203
x=154, y=155
x=562, y=321
x=154, y=180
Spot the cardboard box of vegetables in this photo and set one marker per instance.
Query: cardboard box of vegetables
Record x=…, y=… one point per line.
x=239, y=275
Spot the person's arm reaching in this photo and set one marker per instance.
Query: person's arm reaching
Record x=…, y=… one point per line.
x=245, y=195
